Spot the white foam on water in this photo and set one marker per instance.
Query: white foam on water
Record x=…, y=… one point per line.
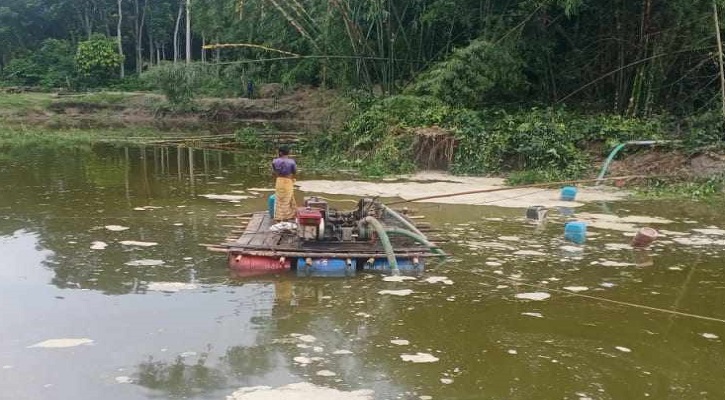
x=299, y=391
x=512, y=352
x=99, y=245
x=446, y=381
x=610, y=263
x=400, y=342
x=399, y=278
x=303, y=346
x=711, y=231
x=137, y=243
x=675, y=268
x=123, y=379
x=307, y=338
x=576, y=288
x=342, y=352
x=529, y=253
x=617, y=246
x=419, y=358
x=509, y=238
x=116, y=228
x=179, y=224
x=302, y=360
x=493, y=264
x=536, y=296
x=424, y=397
x=325, y=372
x=710, y=336
x=226, y=197
x=61, y=343
x=145, y=263
x=362, y=314
x=607, y=284
x=501, y=286
x=533, y=314
x=402, y=292
x=437, y=279
x=318, y=349
x=498, y=272
x=699, y=241
x=623, y=349
x=572, y=249
x=172, y=287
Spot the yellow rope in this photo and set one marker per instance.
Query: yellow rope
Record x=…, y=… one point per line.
x=621, y=303
x=256, y=46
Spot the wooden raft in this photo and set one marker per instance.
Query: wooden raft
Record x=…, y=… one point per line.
x=258, y=240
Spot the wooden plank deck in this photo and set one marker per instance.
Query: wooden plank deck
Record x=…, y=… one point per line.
x=257, y=238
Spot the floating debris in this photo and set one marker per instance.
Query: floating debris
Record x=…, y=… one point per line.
x=139, y=244
x=61, y=343
x=710, y=336
x=342, y=352
x=446, y=381
x=233, y=198
x=419, y=358
x=400, y=342
x=171, y=287
x=402, y=292
x=145, y=263
x=399, y=278
x=325, y=372
x=437, y=279
x=529, y=253
x=536, y=296
x=533, y=314
x=512, y=352
x=623, y=349
x=302, y=360
x=307, y=338
x=116, y=228
x=99, y=245
x=301, y=390
x=576, y=288
x=123, y=379
x=711, y=231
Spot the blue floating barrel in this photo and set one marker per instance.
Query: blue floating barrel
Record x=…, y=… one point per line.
x=326, y=267
x=270, y=204
x=568, y=193
x=404, y=265
x=575, y=231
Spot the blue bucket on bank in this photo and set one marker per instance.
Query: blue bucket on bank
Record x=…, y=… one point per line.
x=575, y=231
x=270, y=205
x=568, y=193
x=326, y=267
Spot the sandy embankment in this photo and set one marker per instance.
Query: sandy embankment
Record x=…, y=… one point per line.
x=431, y=183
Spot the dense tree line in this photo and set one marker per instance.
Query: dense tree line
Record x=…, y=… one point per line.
x=631, y=57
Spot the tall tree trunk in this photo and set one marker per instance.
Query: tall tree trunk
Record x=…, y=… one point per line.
x=719, y=55
x=119, y=37
x=188, y=32
x=176, y=31
x=139, y=35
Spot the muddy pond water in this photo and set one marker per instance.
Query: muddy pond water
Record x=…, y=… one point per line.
x=105, y=293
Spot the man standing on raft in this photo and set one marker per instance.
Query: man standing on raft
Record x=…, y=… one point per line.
x=284, y=169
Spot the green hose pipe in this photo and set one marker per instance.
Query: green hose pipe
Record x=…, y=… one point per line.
x=402, y=220
x=418, y=238
x=384, y=240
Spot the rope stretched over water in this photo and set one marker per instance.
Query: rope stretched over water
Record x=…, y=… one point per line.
x=602, y=299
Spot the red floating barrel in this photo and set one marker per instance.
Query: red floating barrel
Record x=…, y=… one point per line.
x=257, y=263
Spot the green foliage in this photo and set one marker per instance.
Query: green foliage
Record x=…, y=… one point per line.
x=478, y=74
x=98, y=60
x=705, y=129
x=249, y=137
x=696, y=189
x=51, y=66
x=180, y=83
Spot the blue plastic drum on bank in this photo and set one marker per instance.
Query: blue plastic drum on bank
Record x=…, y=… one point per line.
x=326, y=267
x=575, y=231
x=568, y=193
x=270, y=204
